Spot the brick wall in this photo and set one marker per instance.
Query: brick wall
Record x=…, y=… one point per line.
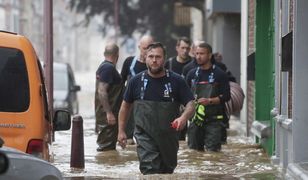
x=290, y=78
x=251, y=26
x=251, y=49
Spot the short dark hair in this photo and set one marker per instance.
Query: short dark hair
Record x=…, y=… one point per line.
x=157, y=45
x=184, y=39
x=206, y=46
x=111, y=49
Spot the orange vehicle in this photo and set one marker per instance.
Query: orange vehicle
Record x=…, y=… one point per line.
x=25, y=121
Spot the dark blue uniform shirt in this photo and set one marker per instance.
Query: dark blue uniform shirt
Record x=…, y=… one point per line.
x=107, y=73
x=212, y=75
x=158, y=89
x=126, y=71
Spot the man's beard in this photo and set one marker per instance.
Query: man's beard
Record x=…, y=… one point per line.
x=203, y=62
x=200, y=63
x=156, y=71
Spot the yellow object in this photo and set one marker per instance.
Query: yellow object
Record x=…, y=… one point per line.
x=219, y=117
x=199, y=116
x=33, y=123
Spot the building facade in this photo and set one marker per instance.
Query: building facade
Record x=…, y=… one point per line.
x=222, y=30
x=277, y=95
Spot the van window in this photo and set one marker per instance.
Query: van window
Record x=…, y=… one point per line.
x=14, y=83
x=60, y=80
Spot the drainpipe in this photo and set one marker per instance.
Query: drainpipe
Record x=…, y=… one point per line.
x=48, y=52
x=244, y=53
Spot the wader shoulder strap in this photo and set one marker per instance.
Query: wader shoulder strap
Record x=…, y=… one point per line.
x=144, y=81
x=132, y=66
x=194, y=82
x=144, y=85
x=170, y=64
x=168, y=85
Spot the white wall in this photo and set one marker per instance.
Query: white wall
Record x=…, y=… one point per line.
x=300, y=85
x=197, y=24
x=2, y=19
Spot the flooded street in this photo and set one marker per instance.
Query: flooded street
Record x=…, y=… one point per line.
x=239, y=159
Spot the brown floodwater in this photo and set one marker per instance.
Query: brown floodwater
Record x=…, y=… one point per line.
x=240, y=158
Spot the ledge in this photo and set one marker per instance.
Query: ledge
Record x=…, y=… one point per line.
x=298, y=170
x=275, y=160
x=261, y=129
x=284, y=122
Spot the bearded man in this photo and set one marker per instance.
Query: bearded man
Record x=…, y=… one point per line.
x=156, y=95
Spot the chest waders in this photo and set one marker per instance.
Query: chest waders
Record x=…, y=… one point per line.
x=107, y=134
x=157, y=141
x=205, y=127
x=97, y=102
x=129, y=130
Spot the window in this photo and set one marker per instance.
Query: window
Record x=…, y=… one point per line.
x=16, y=23
x=2, y=18
x=60, y=79
x=14, y=83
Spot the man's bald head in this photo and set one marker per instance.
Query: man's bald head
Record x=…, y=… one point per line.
x=197, y=42
x=111, y=52
x=144, y=42
x=194, y=46
x=146, y=39
x=111, y=49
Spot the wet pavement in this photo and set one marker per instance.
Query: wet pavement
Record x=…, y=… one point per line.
x=240, y=158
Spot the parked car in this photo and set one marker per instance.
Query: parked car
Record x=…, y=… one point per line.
x=25, y=121
x=65, y=88
x=15, y=164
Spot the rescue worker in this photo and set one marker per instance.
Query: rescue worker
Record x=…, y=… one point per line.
x=156, y=95
x=211, y=88
x=108, y=98
x=217, y=60
x=177, y=63
x=132, y=66
x=193, y=63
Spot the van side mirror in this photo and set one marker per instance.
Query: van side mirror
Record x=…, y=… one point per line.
x=75, y=88
x=4, y=163
x=62, y=120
